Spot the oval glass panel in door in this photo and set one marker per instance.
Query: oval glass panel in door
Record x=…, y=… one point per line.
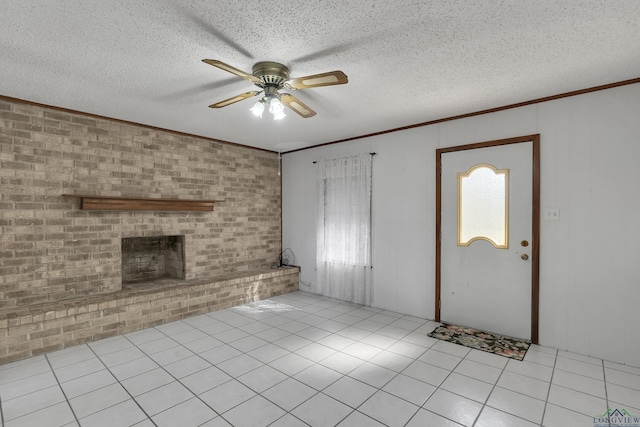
x=483, y=206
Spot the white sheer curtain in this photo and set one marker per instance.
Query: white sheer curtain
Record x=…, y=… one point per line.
x=343, y=256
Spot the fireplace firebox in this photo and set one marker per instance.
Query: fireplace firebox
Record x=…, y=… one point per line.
x=149, y=258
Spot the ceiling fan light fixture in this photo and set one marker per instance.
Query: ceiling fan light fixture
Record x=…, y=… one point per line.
x=271, y=77
x=258, y=108
x=276, y=108
x=279, y=115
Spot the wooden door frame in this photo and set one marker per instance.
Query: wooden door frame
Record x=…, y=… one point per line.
x=535, y=220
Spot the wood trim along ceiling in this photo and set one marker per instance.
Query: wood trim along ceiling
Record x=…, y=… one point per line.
x=478, y=113
x=126, y=122
x=431, y=122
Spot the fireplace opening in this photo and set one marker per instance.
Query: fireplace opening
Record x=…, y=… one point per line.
x=149, y=258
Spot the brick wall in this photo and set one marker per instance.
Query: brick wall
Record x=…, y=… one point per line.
x=50, y=250
x=41, y=328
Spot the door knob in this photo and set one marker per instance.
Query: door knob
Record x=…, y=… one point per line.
x=524, y=257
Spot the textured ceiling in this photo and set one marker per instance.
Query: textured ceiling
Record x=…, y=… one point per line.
x=407, y=61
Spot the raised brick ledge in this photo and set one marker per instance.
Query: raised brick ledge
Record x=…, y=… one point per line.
x=28, y=331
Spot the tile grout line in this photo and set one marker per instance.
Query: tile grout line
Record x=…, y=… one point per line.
x=442, y=382
x=355, y=379
x=244, y=353
x=484, y=405
x=1, y=413
x=378, y=389
x=337, y=351
x=174, y=377
x=294, y=352
x=309, y=321
x=415, y=359
x=606, y=393
x=397, y=373
x=565, y=387
x=180, y=382
x=120, y=384
x=546, y=400
x=267, y=364
x=494, y=386
x=286, y=411
x=68, y=402
x=421, y=405
x=50, y=370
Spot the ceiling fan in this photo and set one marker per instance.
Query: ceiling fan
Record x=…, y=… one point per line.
x=271, y=77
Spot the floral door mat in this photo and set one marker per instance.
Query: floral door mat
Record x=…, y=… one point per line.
x=492, y=343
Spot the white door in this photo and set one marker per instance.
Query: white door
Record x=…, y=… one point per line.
x=486, y=283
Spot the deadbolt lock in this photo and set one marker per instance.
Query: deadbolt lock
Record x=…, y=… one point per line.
x=524, y=243
x=524, y=257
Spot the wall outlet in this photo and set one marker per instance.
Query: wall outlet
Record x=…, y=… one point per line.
x=552, y=213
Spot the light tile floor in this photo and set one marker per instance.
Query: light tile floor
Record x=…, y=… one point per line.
x=301, y=359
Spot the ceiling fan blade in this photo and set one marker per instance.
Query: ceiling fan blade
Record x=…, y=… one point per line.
x=317, y=80
x=296, y=105
x=235, y=99
x=232, y=70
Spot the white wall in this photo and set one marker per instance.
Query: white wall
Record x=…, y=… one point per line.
x=590, y=257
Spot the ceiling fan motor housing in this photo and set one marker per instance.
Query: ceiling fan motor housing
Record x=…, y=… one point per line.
x=271, y=74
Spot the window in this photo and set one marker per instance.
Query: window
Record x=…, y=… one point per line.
x=343, y=252
x=483, y=206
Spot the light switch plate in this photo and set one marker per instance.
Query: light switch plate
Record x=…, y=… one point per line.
x=552, y=213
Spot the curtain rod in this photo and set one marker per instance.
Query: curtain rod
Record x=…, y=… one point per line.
x=373, y=154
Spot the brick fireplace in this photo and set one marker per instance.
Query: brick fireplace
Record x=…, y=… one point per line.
x=61, y=267
x=53, y=250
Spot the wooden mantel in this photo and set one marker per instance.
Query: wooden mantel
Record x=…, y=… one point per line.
x=115, y=203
